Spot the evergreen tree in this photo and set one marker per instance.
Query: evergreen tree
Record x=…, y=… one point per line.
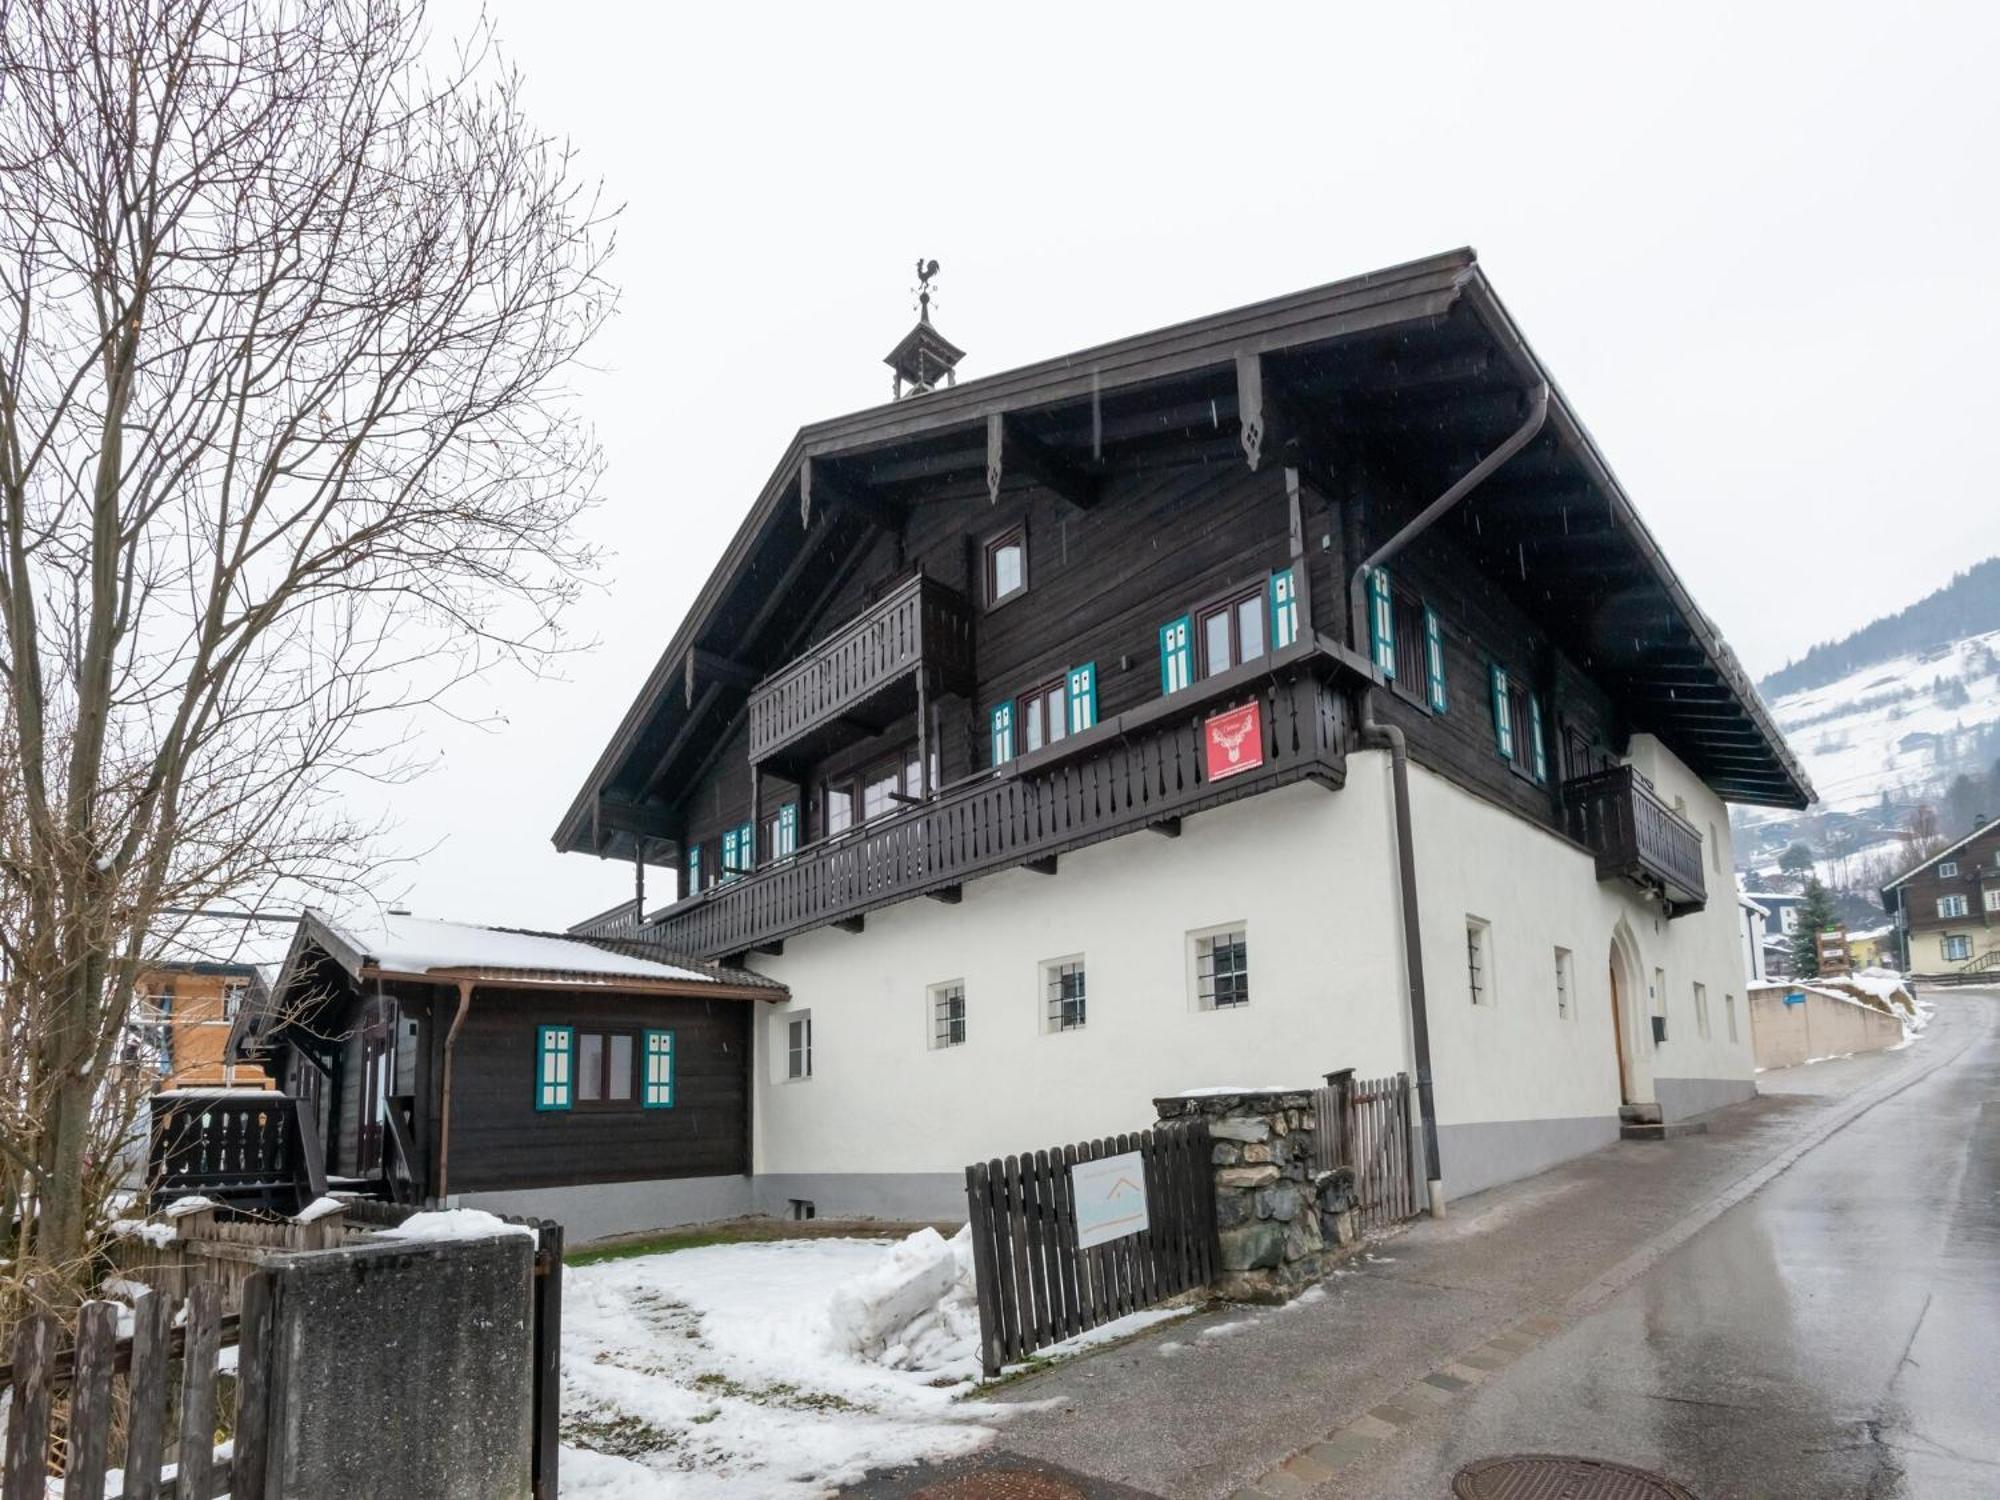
x=1815, y=916
x=1797, y=859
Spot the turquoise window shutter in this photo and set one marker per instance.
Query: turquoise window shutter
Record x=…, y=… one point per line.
x=553, y=1086
x=1284, y=609
x=1003, y=733
x=1434, y=660
x=1082, y=697
x=1503, y=725
x=1176, y=655
x=694, y=868
x=787, y=840
x=659, y=1055
x=1537, y=757
x=1381, y=624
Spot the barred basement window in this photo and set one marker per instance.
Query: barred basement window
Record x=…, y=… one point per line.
x=1701, y=1011
x=948, y=1014
x=1729, y=1010
x=1222, y=969
x=1062, y=985
x=1564, y=969
x=1478, y=964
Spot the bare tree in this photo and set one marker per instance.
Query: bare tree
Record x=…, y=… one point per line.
x=284, y=453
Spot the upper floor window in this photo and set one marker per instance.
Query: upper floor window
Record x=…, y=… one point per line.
x=1232, y=632
x=738, y=852
x=1006, y=565
x=781, y=831
x=1952, y=906
x=1517, y=725
x=1993, y=899
x=839, y=807
x=693, y=869
x=232, y=997
x=1948, y=870
x=1044, y=715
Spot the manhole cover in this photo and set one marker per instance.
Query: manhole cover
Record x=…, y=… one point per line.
x=1541, y=1476
x=1002, y=1484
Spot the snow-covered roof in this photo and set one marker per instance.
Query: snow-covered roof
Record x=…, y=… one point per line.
x=1949, y=849
x=1747, y=904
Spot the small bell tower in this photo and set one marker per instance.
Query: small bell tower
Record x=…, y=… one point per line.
x=925, y=357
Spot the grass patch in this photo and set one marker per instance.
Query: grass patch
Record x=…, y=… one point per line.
x=621, y=1436
x=744, y=1232
x=712, y=1383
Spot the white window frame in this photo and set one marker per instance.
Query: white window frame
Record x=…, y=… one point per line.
x=1956, y=947
x=1948, y=870
x=1054, y=1008
x=1788, y=920
x=1200, y=948
x=1993, y=899
x=1953, y=905
x=1480, y=985
x=937, y=1029
x=1565, y=984
x=795, y=1035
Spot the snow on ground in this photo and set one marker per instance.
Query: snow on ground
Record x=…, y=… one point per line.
x=784, y=1370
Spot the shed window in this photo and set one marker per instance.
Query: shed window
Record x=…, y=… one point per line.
x=1232, y=632
x=604, y=1067
x=552, y=1067
x=659, y=1054
x=1006, y=565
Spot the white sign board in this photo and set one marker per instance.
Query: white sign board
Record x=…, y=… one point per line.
x=1110, y=1196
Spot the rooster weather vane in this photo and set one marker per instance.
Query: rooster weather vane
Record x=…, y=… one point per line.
x=925, y=271
x=925, y=359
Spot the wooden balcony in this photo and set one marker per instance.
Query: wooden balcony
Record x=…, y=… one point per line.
x=866, y=673
x=1637, y=837
x=1146, y=768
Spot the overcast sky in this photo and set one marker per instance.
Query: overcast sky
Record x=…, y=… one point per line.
x=1753, y=243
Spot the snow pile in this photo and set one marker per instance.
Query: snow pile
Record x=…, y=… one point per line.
x=159, y=1236
x=453, y=1224
x=916, y=1309
x=318, y=1209
x=784, y=1369
x=1885, y=985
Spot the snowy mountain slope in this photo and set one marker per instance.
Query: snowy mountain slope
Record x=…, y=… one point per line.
x=1902, y=727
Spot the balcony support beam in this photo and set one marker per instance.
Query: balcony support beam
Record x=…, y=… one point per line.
x=1166, y=828
x=1043, y=866
x=950, y=895
x=851, y=924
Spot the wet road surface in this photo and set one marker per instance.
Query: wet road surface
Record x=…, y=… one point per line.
x=1837, y=1333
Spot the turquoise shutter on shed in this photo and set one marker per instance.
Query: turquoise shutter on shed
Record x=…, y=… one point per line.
x=659, y=1055
x=1003, y=733
x=1434, y=660
x=1176, y=655
x=1082, y=697
x=1284, y=609
x=1381, y=624
x=1503, y=725
x=1537, y=758
x=552, y=1067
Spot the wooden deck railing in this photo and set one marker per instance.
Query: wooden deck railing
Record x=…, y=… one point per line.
x=919, y=624
x=247, y=1147
x=1144, y=767
x=1636, y=836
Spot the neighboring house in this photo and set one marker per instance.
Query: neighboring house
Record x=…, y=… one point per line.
x=1873, y=948
x=182, y=1012
x=561, y=1063
x=1781, y=911
x=1752, y=918
x=1037, y=735
x=1947, y=909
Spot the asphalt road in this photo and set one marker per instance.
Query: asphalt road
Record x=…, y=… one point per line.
x=1835, y=1333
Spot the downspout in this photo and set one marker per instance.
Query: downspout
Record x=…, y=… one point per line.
x=1389, y=737
x=444, y=1091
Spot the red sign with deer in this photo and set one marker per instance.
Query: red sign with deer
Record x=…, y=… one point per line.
x=1235, y=741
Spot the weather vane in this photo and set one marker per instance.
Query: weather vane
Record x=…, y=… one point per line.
x=925, y=271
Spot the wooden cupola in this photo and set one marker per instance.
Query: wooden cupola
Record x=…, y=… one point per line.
x=924, y=357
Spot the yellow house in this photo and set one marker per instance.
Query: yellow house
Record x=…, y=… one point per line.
x=188, y=1009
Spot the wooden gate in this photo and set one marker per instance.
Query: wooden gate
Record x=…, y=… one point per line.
x=1364, y=1124
x=1038, y=1287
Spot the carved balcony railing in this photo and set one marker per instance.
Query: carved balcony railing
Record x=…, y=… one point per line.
x=1146, y=768
x=1637, y=837
x=920, y=626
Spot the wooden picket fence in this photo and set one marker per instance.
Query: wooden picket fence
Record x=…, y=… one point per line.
x=1364, y=1124
x=1037, y=1287
x=159, y=1386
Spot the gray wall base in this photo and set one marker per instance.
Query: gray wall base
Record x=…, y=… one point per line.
x=600, y=1210
x=910, y=1197
x=1496, y=1151
x=1684, y=1098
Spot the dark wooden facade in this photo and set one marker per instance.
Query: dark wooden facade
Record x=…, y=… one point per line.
x=852, y=623
x=1967, y=870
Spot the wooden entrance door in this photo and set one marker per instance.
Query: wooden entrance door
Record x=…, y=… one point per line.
x=1618, y=1033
